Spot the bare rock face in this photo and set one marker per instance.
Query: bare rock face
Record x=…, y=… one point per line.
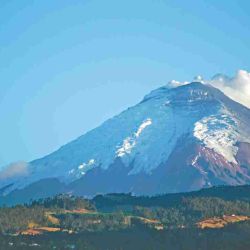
x=243, y=154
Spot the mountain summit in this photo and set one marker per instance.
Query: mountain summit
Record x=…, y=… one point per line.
x=176, y=139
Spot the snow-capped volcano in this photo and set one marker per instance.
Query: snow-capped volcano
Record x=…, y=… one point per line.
x=175, y=139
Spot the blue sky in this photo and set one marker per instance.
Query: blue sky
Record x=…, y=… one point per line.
x=66, y=66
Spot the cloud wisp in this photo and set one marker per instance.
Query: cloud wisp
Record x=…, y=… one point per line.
x=237, y=87
x=13, y=170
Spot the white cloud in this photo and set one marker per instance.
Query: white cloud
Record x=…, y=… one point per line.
x=13, y=170
x=237, y=87
x=199, y=79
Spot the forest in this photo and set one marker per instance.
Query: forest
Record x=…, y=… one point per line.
x=213, y=218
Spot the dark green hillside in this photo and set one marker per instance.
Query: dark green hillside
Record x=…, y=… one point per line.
x=218, y=217
x=226, y=193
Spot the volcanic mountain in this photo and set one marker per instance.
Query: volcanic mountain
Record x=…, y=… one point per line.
x=174, y=140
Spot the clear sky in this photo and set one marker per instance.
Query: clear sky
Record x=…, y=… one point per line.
x=66, y=66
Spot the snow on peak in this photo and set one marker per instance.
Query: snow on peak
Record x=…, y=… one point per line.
x=145, y=135
x=85, y=165
x=82, y=168
x=126, y=147
x=130, y=141
x=143, y=126
x=218, y=132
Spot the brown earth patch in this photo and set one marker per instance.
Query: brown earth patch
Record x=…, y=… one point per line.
x=219, y=222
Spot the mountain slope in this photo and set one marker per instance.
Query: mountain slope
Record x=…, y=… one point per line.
x=175, y=139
